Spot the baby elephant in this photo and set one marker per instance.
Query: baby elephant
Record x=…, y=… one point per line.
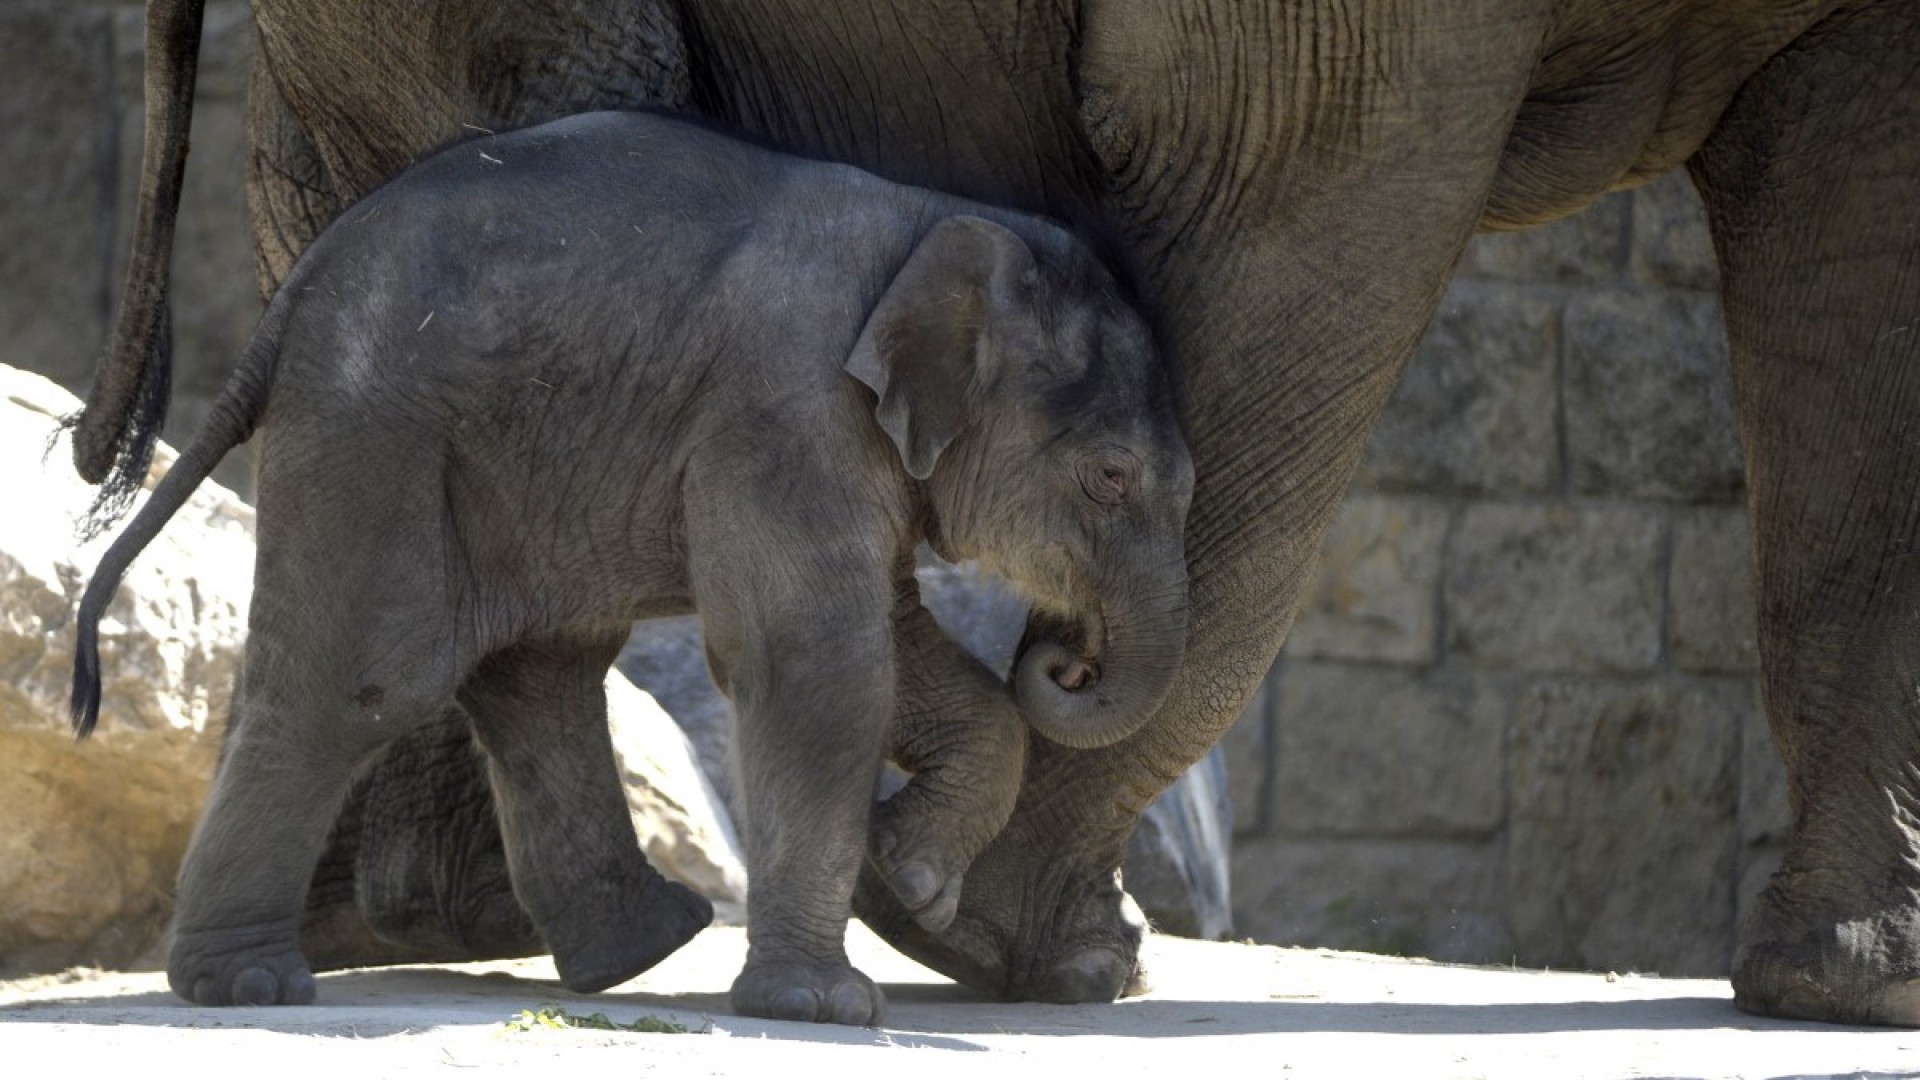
x=549, y=382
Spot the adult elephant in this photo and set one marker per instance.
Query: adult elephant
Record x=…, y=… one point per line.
x=1290, y=183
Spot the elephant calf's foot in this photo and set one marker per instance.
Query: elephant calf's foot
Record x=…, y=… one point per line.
x=668, y=916
x=1848, y=971
x=246, y=966
x=790, y=990
x=920, y=863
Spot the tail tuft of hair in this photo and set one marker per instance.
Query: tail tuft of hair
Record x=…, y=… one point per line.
x=84, y=709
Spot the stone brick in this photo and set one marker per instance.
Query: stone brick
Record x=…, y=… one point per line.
x=1439, y=900
x=1622, y=848
x=1475, y=411
x=56, y=192
x=1376, y=593
x=1383, y=751
x=1765, y=812
x=1671, y=243
x=1590, y=246
x=1710, y=616
x=1557, y=587
x=1648, y=398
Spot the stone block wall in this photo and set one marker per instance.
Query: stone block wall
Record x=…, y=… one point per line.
x=1518, y=720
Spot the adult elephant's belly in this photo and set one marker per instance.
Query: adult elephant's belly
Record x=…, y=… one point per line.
x=1616, y=102
x=346, y=93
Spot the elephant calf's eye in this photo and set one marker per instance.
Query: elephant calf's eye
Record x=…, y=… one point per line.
x=1108, y=477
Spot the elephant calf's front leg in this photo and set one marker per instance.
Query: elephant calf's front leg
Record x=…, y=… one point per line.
x=956, y=729
x=812, y=707
x=801, y=644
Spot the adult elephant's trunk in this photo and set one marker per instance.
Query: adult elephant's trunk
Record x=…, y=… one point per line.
x=1088, y=702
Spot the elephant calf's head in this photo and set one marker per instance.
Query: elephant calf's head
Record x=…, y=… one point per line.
x=1030, y=399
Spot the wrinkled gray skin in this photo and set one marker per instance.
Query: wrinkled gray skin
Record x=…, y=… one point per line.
x=796, y=371
x=1292, y=183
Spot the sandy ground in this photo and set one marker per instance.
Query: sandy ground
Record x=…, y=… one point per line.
x=1254, y=1010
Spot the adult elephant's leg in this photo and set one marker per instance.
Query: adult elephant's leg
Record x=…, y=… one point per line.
x=416, y=870
x=540, y=710
x=1812, y=183
x=1295, y=242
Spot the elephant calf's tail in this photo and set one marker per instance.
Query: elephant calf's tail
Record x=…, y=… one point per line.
x=231, y=422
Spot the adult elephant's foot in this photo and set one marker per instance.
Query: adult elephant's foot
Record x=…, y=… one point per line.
x=831, y=992
x=248, y=965
x=415, y=870
x=1030, y=927
x=606, y=953
x=1807, y=961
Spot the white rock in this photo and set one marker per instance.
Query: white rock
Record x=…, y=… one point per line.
x=95, y=831
x=171, y=637
x=682, y=824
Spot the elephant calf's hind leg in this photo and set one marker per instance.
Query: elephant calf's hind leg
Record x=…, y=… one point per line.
x=302, y=722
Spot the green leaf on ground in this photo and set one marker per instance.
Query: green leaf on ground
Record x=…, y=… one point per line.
x=555, y=1018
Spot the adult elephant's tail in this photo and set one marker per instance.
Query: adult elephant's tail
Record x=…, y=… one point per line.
x=114, y=435
x=232, y=420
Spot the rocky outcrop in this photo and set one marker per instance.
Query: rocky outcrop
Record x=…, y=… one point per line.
x=683, y=826
x=94, y=831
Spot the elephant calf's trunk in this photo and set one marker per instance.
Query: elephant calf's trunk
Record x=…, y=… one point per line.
x=1083, y=705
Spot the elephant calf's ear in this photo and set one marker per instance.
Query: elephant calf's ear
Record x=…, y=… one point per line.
x=924, y=342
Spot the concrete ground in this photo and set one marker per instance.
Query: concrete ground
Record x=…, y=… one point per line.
x=1237, y=1010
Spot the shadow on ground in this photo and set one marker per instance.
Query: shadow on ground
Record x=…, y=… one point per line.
x=398, y=1000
